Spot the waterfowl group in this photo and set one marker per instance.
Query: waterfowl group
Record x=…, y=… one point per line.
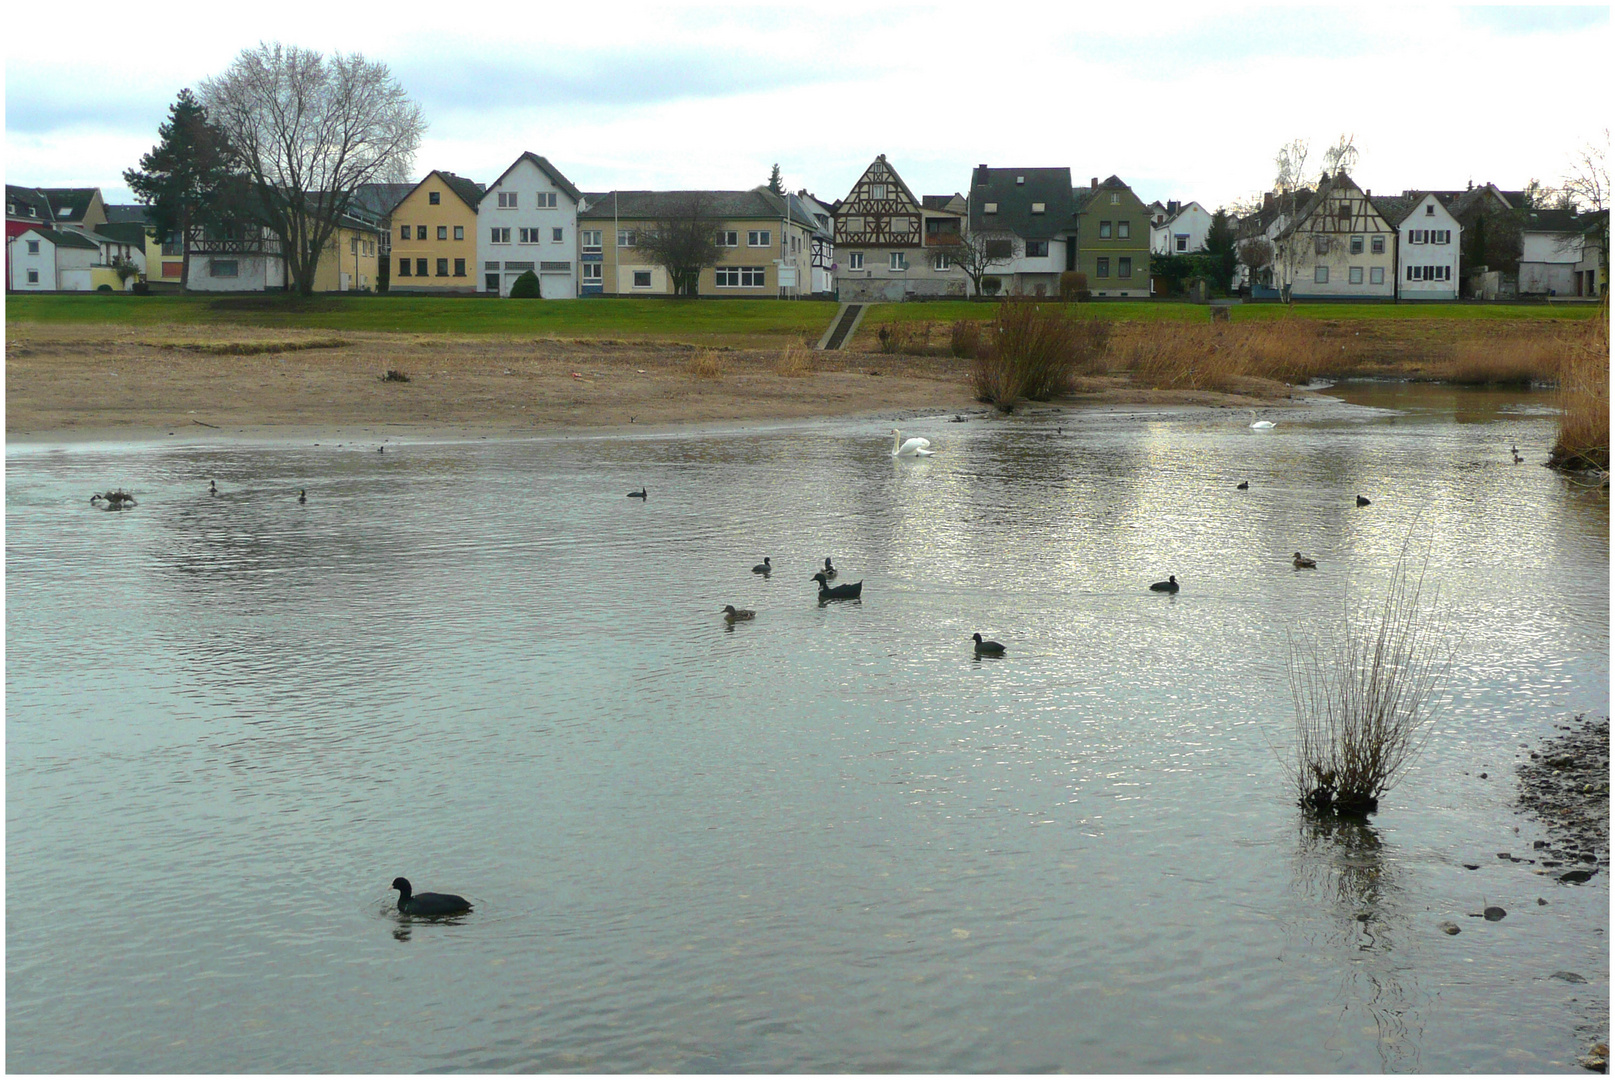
x=428, y=904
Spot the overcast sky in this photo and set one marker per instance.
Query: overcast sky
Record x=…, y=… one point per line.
x=1181, y=102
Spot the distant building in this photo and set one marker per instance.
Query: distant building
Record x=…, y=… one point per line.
x=1112, y=239
x=434, y=236
x=1181, y=230
x=1034, y=206
x=1551, y=249
x=882, y=233
x=528, y=220
x=1428, y=243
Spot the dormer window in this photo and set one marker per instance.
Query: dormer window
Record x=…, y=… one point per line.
x=1037, y=208
x=989, y=208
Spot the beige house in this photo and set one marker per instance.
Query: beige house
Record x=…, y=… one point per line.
x=889, y=244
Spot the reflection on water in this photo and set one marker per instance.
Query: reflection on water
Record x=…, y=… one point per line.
x=829, y=839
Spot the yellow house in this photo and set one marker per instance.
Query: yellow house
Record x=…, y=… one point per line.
x=434, y=236
x=351, y=259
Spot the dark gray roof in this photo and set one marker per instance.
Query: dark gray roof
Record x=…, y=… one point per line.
x=469, y=191
x=1395, y=208
x=650, y=205
x=134, y=213
x=62, y=238
x=548, y=170
x=378, y=200
x=1014, y=191
x=24, y=197
x=1081, y=197
x=69, y=204
x=1558, y=221
x=123, y=232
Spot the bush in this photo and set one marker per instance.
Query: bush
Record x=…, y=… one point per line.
x=990, y=286
x=964, y=339
x=1364, y=700
x=1034, y=351
x=1074, y=286
x=525, y=287
x=141, y=288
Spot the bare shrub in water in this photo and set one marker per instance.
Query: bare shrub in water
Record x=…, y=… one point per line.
x=1364, y=699
x=1034, y=351
x=1583, y=441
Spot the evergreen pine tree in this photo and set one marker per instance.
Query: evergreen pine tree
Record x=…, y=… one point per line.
x=776, y=182
x=1221, y=251
x=183, y=174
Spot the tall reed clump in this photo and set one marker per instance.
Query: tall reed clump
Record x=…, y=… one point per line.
x=705, y=364
x=1583, y=441
x=1033, y=351
x=795, y=361
x=1364, y=699
x=1169, y=356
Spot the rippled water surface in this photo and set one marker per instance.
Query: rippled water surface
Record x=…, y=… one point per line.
x=829, y=839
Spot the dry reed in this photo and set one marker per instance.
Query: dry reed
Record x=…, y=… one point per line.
x=1034, y=351
x=1364, y=699
x=251, y=348
x=795, y=362
x=1583, y=442
x=705, y=364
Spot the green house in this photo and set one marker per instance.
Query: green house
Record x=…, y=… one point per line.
x=1113, y=239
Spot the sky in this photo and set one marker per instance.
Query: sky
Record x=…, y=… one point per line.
x=1182, y=102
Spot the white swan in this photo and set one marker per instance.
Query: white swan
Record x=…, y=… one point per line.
x=915, y=447
x=1260, y=425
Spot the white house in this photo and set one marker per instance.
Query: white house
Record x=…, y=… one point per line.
x=528, y=220
x=1181, y=230
x=1027, y=213
x=1427, y=244
x=45, y=260
x=1551, y=248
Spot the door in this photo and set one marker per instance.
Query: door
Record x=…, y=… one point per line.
x=491, y=282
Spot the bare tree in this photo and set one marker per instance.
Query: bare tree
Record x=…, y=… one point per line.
x=309, y=129
x=1255, y=254
x=976, y=253
x=684, y=241
x=1290, y=184
x=1341, y=157
x=1586, y=179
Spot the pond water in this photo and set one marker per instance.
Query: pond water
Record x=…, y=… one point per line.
x=829, y=839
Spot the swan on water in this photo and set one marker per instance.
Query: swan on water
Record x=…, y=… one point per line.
x=1260, y=425
x=915, y=447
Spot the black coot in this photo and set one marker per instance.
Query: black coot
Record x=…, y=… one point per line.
x=428, y=903
x=1169, y=585
x=988, y=648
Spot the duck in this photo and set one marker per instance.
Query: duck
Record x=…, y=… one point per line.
x=734, y=614
x=829, y=571
x=1170, y=585
x=839, y=592
x=212, y=488
x=640, y=494
x=1261, y=425
x=1244, y=485
x=1362, y=501
x=429, y=904
x=115, y=499
x=1516, y=451
x=1304, y=564
x=764, y=568
x=987, y=648
x=915, y=447
x=302, y=495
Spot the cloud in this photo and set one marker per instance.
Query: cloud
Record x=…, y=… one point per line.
x=1519, y=21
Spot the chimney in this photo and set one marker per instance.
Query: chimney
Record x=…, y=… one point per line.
x=1267, y=200
x=1094, y=182
x=1172, y=206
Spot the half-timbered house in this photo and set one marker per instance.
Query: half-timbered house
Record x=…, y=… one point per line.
x=1338, y=246
x=882, y=233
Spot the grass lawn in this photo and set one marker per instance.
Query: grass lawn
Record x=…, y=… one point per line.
x=754, y=323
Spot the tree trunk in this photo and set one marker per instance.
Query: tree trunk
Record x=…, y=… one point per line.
x=184, y=250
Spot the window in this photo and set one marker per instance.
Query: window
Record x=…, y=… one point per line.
x=353, y=245
x=434, y=197
x=1357, y=245
x=459, y=232
x=898, y=261
x=403, y=268
x=1354, y=276
x=1124, y=267
x=990, y=208
x=1104, y=230
x=877, y=191
x=1415, y=236
x=855, y=260
x=1320, y=275
x=1101, y=268
x=442, y=232
x=459, y=268
x=1038, y=208
x=758, y=238
x=442, y=268
x=591, y=239
x=641, y=279
x=592, y=272
x=420, y=232
x=728, y=238
x=1124, y=229
x=33, y=247
x=625, y=238
x=1429, y=210
x=941, y=262
x=527, y=236
x=33, y=277
x=403, y=232
x=998, y=248
x=1180, y=241
x=499, y=235
x=507, y=200
x=1037, y=249
x=546, y=200
x=420, y=267
x=1320, y=244
x=1377, y=245
x=726, y=277
x=753, y=277
x=1441, y=236
x=224, y=268
x=556, y=236
x=1115, y=200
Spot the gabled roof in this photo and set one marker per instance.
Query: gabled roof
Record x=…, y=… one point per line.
x=133, y=213
x=379, y=200
x=1081, y=197
x=69, y=204
x=880, y=159
x=759, y=203
x=1014, y=191
x=64, y=238
x=469, y=191
x=1553, y=221
x=1326, y=186
x=547, y=169
x=24, y=197
x=1184, y=209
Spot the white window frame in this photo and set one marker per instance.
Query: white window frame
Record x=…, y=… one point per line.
x=726, y=277
x=507, y=200
x=626, y=238
x=897, y=261
x=590, y=239
x=642, y=274
x=593, y=271
x=728, y=238
x=877, y=191
x=941, y=263
x=546, y=200
x=1115, y=200
x=855, y=260
x=499, y=234
x=753, y=277
x=759, y=238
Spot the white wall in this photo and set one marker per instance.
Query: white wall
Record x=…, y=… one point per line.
x=1192, y=220
x=527, y=181
x=43, y=263
x=1427, y=216
x=255, y=273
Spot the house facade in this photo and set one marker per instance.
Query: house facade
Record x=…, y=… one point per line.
x=240, y=255
x=55, y=260
x=822, y=257
x=1112, y=239
x=1550, y=250
x=1338, y=247
x=1034, y=207
x=765, y=242
x=882, y=233
x=528, y=220
x=1181, y=230
x=1592, y=270
x=1428, y=242
x=434, y=236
